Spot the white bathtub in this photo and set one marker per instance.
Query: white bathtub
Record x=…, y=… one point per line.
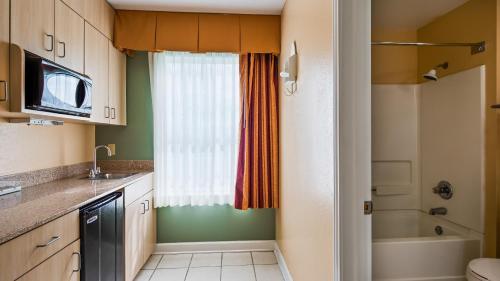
x=406, y=247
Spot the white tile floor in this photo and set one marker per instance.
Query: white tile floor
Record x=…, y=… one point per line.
x=244, y=266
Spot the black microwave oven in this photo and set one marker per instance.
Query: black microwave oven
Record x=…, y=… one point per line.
x=53, y=88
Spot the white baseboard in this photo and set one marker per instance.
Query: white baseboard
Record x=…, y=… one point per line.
x=282, y=263
x=207, y=247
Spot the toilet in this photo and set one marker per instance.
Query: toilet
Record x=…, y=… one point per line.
x=484, y=270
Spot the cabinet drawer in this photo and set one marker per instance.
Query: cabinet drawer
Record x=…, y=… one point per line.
x=138, y=189
x=30, y=249
x=63, y=266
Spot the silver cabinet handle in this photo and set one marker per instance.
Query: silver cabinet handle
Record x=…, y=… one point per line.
x=52, y=240
x=147, y=209
x=143, y=208
x=113, y=113
x=5, y=90
x=79, y=262
x=51, y=42
x=64, y=49
x=106, y=112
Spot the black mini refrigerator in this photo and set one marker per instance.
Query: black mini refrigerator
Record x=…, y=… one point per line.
x=101, y=237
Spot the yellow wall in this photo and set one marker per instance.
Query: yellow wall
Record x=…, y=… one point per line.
x=305, y=218
x=394, y=64
x=472, y=22
x=26, y=148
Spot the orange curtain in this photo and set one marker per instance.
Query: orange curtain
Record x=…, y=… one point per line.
x=257, y=177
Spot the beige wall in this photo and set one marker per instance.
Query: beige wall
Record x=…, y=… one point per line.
x=472, y=22
x=26, y=148
x=394, y=64
x=305, y=217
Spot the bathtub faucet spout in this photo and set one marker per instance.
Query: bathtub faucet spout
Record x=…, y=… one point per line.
x=438, y=211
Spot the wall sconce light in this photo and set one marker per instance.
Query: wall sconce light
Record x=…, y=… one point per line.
x=289, y=74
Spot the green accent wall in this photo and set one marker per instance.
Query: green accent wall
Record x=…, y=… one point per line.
x=176, y=224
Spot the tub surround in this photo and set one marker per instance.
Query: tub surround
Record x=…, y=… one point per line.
x=36, y=205
x=406, y=246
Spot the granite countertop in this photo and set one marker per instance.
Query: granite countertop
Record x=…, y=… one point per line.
x=36, y=205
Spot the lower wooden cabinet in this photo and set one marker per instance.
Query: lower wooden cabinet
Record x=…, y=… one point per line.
x=63, y=266
x=140, y=234
x=25, y=252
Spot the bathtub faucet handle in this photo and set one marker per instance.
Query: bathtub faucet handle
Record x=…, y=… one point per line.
x=444, y=189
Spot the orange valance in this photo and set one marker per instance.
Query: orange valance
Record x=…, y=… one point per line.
x=196, y=32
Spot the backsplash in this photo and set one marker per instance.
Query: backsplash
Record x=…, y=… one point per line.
x=47, y=175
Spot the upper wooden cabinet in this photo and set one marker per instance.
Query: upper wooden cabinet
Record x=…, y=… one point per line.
x=4, y=55
x=117, y=86
x=96, y=67
x=69, y=33
x=32, y=26
x=76, y=34
x=77, y=5
x=101, y=15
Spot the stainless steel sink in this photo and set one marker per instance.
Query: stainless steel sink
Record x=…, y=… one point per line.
x=110, y=176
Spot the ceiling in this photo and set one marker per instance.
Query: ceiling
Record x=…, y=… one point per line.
x=270, y=7
x=409, y=14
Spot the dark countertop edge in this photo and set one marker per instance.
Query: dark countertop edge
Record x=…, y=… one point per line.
x=134, y=179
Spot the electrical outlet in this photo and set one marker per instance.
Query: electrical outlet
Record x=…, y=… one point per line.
x=113, y=148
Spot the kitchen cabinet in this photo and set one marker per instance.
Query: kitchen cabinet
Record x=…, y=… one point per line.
x=100, y=15
x=25, y=252
x=96, y=67
x=76, y=5
x=74, y=33
x=69, y=37
x=140, y=234
x=63, y=266
x=32, y=26
x=117, y=86
x=149, y=227
x=134, y=242
x=4, y=55
x=140, y=226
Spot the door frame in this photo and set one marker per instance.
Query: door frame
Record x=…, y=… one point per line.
x=352, y=62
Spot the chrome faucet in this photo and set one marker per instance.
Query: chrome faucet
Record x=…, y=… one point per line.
x=438, y=211
x=94, y=171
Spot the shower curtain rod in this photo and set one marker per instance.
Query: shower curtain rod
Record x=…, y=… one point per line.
x=478, y=47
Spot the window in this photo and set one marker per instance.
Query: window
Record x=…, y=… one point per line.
x=196, y=121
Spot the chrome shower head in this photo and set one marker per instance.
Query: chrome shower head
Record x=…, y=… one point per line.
x=432, y=74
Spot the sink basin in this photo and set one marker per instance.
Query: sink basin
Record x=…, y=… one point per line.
x=110, y=176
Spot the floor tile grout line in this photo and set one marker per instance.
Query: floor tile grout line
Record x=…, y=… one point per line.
x=221, y=259
x=189, y=266
x=253, y=266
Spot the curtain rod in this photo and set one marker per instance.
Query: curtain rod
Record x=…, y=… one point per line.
x=478, y=47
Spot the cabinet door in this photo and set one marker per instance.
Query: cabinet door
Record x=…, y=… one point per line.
x=117, y=86
x=101, y=15
x=76, y=5
x=134, y=238
x=69, y=28
x=32, y=26
x=4, y=55
x=63, y=266
x=96, y=67
x=149, y=227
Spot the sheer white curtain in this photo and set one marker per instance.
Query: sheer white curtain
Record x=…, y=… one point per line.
x=196, y=122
